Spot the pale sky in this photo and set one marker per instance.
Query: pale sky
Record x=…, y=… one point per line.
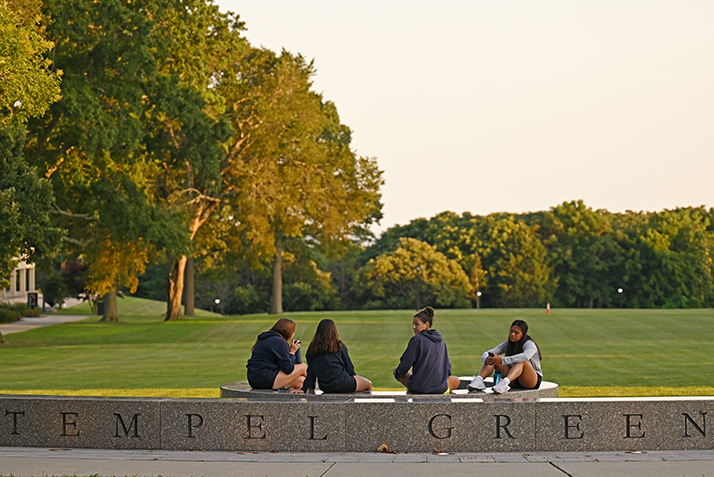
x=513, y=106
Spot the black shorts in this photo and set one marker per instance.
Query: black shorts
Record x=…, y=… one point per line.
x=517, y=385
x=261, y=384
x=346, y=389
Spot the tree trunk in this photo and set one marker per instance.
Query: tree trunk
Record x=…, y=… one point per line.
x=189, y=290
x=2, y=340
x=276, y=299
x=176, y=278
x=111, y=312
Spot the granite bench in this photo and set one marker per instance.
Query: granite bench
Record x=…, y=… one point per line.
x=449, y=423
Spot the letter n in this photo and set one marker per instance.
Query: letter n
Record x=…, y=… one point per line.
x=702, y=430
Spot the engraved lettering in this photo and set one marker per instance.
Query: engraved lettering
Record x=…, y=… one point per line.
x=134, y=424
x=191, y=425
x=569, y=425
x=631, y=425
x=504, y=426
x=67, y=423
x=448, y=429
x=14, y=419
x=312, y=430
x=257, y=425
x=702, y=430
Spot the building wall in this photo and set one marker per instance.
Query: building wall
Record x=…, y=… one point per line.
x=22, y=281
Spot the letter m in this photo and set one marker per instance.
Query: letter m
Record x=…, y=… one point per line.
x=134, y=424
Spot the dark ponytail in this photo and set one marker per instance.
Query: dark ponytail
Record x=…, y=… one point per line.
x=516, y=348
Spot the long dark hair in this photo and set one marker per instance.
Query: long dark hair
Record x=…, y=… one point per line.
x=285, y=327
x=426, y=315
x=326, y=339
x=517, y=347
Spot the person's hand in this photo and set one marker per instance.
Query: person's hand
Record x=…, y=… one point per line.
x=295, y=346
x=297, y=391
x=493, y=360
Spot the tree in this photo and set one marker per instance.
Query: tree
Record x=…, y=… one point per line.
x=390, y=280
x=669, y=258
x=99, y=144
x=27, y=88
x=189, y=135
x=584, y=252
x=293, y=166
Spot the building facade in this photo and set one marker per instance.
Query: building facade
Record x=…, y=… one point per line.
x=22, y=281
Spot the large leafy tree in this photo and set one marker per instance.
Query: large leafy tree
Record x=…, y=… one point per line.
x=291, y=162
x=27, y=88
x=92, y=143
x=391, y=280
x=584, y=251
x=669, y=258
x=188, y=132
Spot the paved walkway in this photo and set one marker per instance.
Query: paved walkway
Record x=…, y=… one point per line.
x=31, y=323
x=23, y=461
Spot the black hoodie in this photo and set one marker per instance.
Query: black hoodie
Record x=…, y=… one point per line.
x=428, y=359
x=271, y=354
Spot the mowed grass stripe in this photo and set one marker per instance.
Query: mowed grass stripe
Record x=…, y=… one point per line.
x=585, y=351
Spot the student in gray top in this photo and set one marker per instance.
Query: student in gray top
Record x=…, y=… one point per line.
x=520, y=365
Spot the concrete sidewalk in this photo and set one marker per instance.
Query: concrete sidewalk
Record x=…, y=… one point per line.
x=31, y=323
x=80, y=462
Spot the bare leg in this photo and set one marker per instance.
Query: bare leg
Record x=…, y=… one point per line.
x=453, y=382
x=526, y=375
x=294, y=379
x=363, y=384
x=486, y=371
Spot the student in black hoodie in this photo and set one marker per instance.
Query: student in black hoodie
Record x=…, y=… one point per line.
x=273, y=363
x=427, y=357
x=329, y=361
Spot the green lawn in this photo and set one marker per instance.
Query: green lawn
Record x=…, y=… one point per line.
x=587, y=352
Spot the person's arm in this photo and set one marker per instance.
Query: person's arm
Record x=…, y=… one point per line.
x=349, y=367
x=407, y=359
x=286, y=359
x=529, y=350
x=498, y=350
x=309, y=382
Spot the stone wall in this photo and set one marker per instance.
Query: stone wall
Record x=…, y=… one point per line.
x=358, y=425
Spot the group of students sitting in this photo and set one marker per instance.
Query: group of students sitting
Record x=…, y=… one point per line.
x=424, y=367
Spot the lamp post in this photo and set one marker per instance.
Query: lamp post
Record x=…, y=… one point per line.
x=218, y=302
x=619, y=291
x=418, y=269
x=478, y=300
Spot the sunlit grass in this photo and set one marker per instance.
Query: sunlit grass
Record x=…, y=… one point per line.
x=587, y=352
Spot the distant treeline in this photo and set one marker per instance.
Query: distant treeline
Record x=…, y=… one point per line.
x=568, y=256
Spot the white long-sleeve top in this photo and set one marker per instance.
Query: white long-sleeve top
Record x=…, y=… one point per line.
x=530, y=354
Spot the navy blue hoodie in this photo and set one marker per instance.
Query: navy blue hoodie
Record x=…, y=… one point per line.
x=333, y=371
x=428, y=359
x=271, y=354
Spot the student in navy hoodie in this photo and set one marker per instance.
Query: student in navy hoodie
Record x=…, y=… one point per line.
x=275, y=362
x=428, y=359
x=328, y=362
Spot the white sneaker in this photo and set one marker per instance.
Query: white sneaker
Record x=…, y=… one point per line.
x=502, y=386
x=477, y=384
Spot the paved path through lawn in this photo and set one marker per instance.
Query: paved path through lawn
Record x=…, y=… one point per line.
x=31, y=323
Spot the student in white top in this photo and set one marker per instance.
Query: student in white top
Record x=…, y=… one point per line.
x=520, y=366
